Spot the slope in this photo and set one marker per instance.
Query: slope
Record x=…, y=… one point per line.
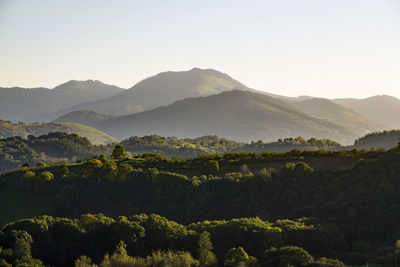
x=238, y=115
x=381, y=109
x=8, y=129
x=327, y=109
x=86, y=117
x=161, y=90
x=41, y=104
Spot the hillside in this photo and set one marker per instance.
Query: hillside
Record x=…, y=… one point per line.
x=8, y=129
x=49, y=148
x=236, y=115
x=41, y=104
x=382, y=109
x=385, y=140
x=161, y=90
x=329, y=110
x=86, y=117
x=340, y=205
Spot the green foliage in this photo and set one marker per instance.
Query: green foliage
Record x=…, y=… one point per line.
x=205, y=255
x=189, y=148
x=346, y=202
x=46, y=149
x=84, y=261
x=118, y=153
x=287, y=256
x=237, y=257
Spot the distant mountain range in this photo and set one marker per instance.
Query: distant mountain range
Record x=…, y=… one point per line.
x=383, y=109
x=199, y=102
x=237, y=115
x=161, y=90
x=41, y=104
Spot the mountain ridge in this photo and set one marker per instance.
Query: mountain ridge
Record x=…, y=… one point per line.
x=41, y=104
x=238, y=115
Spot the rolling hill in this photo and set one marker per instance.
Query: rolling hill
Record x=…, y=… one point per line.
x=162, y=89
x=381, y=109
x=237, y=115
x=41, y=104
x=95, y=136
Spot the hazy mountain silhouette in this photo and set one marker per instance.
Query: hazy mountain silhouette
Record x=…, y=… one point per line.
x=381, y=108
x=163, y=89
x=327, y=109
x=41, y=104
x=238, y=115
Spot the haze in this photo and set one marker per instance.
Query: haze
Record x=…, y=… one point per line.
x=327, y=48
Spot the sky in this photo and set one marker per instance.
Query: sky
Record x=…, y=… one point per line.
x=325, y=48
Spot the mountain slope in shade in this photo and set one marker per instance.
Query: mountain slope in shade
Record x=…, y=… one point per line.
x=95, y=136
x=41, y=104
x=161, y=90
x=381, y=109
x=237, y=115
x=327, y=109
x=86, y=117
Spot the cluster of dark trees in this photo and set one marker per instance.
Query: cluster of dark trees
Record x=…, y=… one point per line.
x=50, y=148
x=384, y=139
x=152, y=240
x=212, y=144
x=349, y=197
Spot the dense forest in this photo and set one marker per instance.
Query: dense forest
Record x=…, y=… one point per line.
x=297, y=208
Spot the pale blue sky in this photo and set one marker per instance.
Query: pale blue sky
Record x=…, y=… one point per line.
x=329, y=48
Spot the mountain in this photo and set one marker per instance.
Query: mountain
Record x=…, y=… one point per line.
x=86, y=117
x=382, y=109
x=95, y=136
x=41, y=104
x=161, y=90
x=237, y=115
x=327, y=109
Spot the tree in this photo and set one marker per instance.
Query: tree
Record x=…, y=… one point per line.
x=206, y=256
x=287, y=256
x=90, y=167
x=237, y=257
x=84, y=261
x=118, y=153
x=211, y=166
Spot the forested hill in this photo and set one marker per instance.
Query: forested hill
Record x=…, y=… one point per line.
x=46, y=149
x=385, y=139
x=8, y=129
x=310, y=205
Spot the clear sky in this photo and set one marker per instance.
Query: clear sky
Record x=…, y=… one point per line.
x=327, y=48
